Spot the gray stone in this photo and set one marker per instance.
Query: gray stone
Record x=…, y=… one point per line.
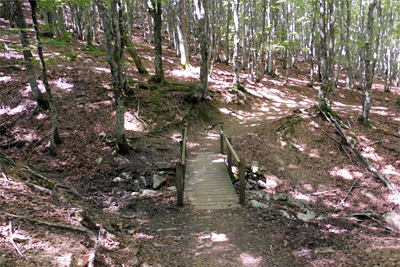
x=258, y=193
x=171, y=189
x=158, y=181
x=135, y=193
x=126, y=175
x=393, y=218
x=267, y=196
x=143, y=181
x=164, y=166
x=147, y=192
x=136, y=186
x=118, y=179
x=261, y=184
x=132, y=262
x=301, y=203
x=280, y=197
x=256, y=204
x=306, y=216
x=285, y=214
x=99, y=160
x=250, y=184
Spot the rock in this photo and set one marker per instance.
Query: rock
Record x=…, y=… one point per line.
x=258, y=193
x=306, y=217
x=164, y=166
x=393, y=218
x=281, y=197
x=301, y=203
x=158, y=181
x=261, y=184
x=247, y=166
x=126, y=175
x=267, y=196
x=136, y=186
x=99, y=160
x=171, y=189
x=76, y=261
x=118, y=179
x=254, y=166
x=20, y=238
x=285, y=214
x=324, y=250
x=147, y=192
x=143, y=181
x=133, y=262
x=256, y=204
x=135, y=194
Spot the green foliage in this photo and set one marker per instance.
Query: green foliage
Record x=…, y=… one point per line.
x=58, y=42
x=154, y=87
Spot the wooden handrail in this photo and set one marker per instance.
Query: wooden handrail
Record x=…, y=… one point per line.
x=181, y=168
x=240, y=161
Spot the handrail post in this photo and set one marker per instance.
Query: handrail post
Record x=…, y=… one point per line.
x=179, y=182
x=221, y=140
x=181, y=148
x=229, y=158
x=242, y=182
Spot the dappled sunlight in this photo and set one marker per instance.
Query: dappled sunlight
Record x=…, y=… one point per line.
x=344, y=173
x=5, y=79
x=250, y=260
x=102, y=70
x=314, y=153
x=212, y=136
x=192, y=144
x=61, y=84
x=131, y=123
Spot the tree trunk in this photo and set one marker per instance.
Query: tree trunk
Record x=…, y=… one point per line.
x=228, y=22
x=115, y=61
x=235, y=8
x=261, y=68
x=155, y=11
x=201, y=14
x=138, y=62
x=367, y=101
x=323, y=55
x=181, y=28
x=55, y=137
x=20, y=22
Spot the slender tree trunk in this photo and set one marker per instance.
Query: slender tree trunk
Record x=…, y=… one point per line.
x=312, y=46
x=55, y=137
x=20, y=22
x=235, y=8
x=115, y=61
x=323, y=55
x=181, y=28
x=155, y=11
x=201, y=14
x=138, y=62
x=228, y=22
x=349, y=76
x=367, y=101
x=261, y=67
x=331, y=52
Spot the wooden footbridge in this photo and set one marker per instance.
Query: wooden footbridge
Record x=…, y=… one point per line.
x=205, y=183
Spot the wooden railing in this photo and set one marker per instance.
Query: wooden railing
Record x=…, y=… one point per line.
x=240, y=163
x=181, y=168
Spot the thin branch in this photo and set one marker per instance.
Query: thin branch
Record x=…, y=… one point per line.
x=348, y=193
x=335, y=190
x=13, y=243
x=62, y=226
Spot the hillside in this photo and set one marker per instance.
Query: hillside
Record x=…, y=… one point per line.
x=87, y=212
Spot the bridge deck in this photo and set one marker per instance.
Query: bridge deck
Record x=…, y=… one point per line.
x=208, y=185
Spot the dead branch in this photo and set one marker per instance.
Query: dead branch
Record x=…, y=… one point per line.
x=348, y=193
x=373, y=219
x=332, y=191
x=61, y=226
x=13, y=243
x=340, y=144
x=92, y=256
x=370, y=167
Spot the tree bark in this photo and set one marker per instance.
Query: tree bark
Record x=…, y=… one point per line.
x=155, y=11
x=181, y=29
x=138, y=62
x=367, y=101
x=235, y=8
x=114, y=59
x=323, y=55
x=20, y=22
x=201, y=14
x=55, y=137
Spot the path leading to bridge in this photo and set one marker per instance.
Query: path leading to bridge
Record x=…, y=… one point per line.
x=208, y=185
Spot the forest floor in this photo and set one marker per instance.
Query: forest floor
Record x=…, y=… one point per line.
x=273, y=123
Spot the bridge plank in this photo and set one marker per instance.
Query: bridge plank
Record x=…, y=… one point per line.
x=208, y=185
